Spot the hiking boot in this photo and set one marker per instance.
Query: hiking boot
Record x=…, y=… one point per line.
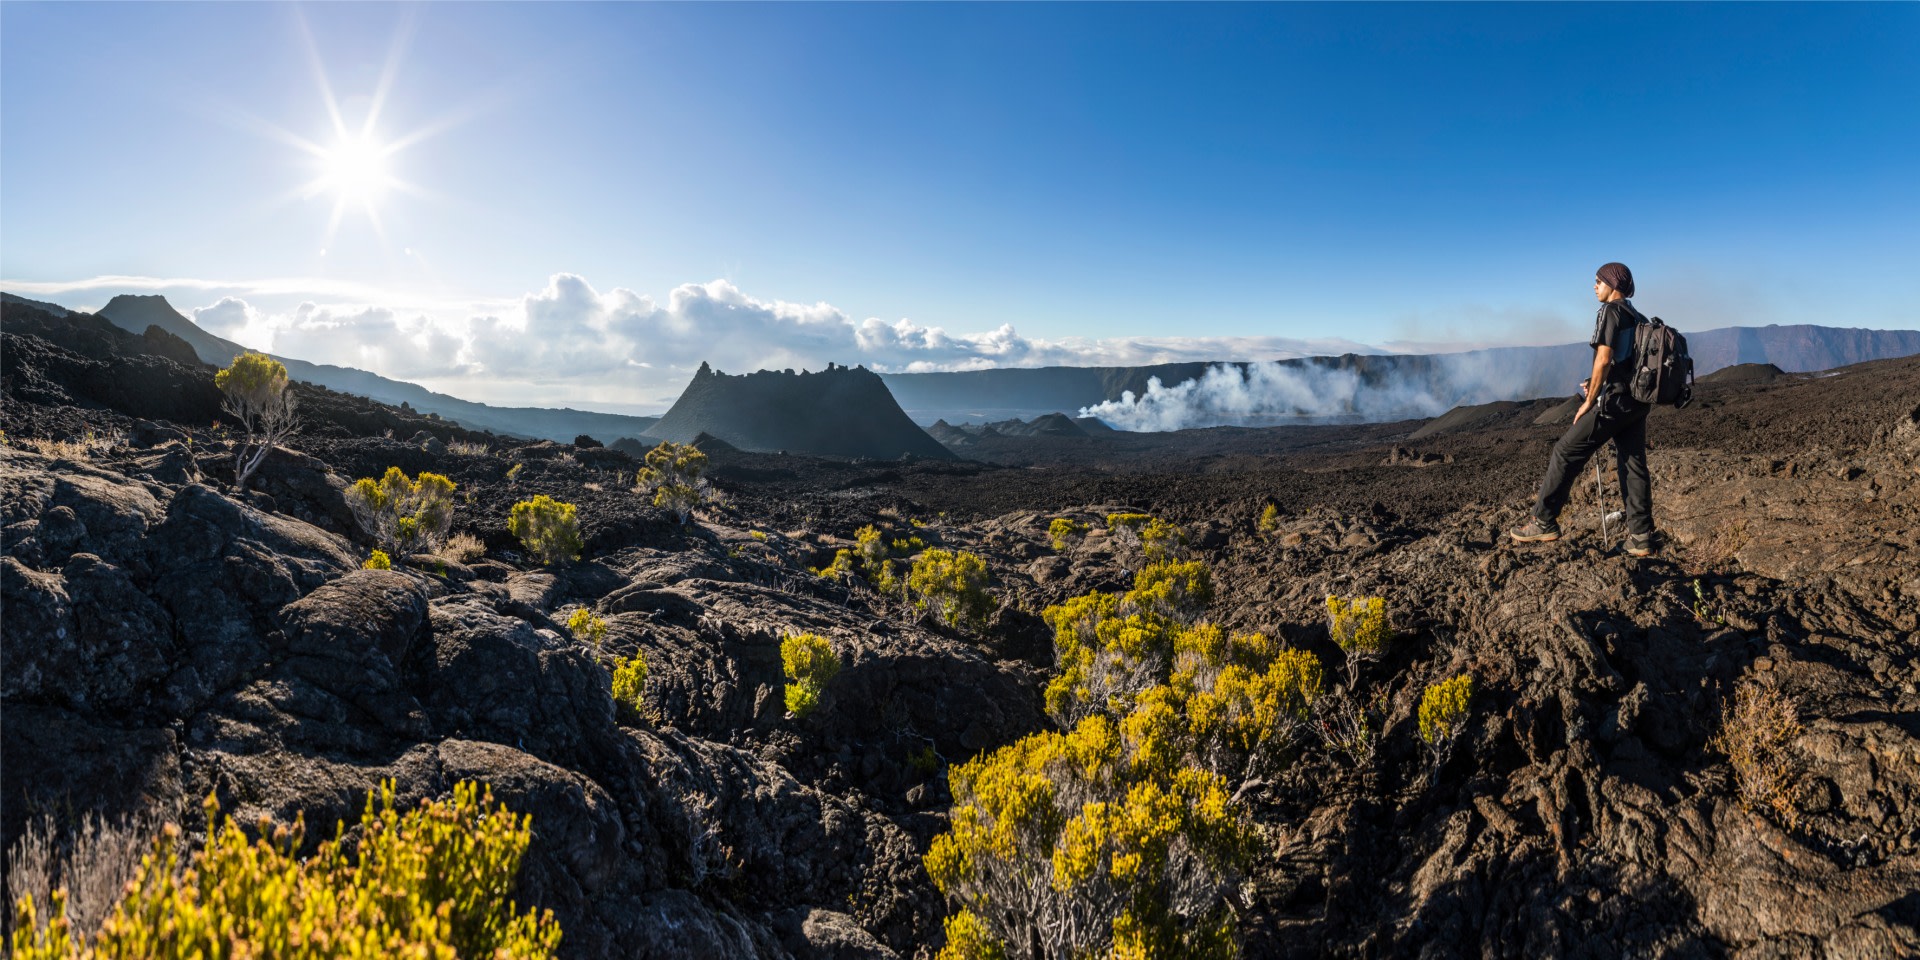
x=1536, y=531
x=1639, y=545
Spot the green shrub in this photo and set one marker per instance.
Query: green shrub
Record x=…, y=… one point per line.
x=952, y=585
x=630, y=682
x=810, y=662
x=378, y=560
x=431, y=882
x=403, y=515
x=547, y=528
x=1064, y=533
x=254, y=392
x=760, y=535
x=586, y=627
x=673, y=476
x=924, y=761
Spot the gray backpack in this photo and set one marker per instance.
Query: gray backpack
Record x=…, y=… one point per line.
x=1662, y=370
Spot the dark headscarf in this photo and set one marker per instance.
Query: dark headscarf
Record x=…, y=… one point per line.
x=1617, y=276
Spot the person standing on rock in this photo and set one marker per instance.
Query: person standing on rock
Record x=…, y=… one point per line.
x=1608, y=412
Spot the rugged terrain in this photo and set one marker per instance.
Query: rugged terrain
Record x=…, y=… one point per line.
x=166, y=637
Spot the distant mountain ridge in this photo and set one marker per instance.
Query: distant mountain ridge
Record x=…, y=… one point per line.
x=134, y=313
x=1510, y=373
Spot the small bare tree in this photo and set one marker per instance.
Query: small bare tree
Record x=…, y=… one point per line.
x=92, y=862
x=257, y=396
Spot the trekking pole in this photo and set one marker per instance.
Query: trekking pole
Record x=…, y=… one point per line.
x=1600, y=502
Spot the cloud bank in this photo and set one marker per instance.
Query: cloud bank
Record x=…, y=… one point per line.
x=569, y=343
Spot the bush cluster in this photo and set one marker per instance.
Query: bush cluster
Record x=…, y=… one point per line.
x=1150, y=538
x=1359, y=627
x=673, y=476
x=403, y=515
x=431, y=882
x=378, y=560
x=951, y=585
x=1117, y=837
x=869, y=560
x=1269, y=522
x=547, y=527
x=809, y=662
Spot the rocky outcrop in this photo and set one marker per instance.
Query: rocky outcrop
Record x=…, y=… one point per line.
x=839, y=411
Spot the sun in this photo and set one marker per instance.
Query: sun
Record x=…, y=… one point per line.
x=355, y=170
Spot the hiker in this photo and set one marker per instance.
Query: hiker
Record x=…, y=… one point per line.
x=1608, y=412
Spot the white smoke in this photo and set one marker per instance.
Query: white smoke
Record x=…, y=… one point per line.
x=1264, y=394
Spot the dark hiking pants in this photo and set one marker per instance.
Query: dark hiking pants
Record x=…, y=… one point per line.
x=1621, y=419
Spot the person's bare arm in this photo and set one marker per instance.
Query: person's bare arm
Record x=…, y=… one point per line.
x=1602, y=357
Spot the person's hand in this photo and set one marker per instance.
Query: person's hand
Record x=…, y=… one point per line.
x=1584, y=407
x=1583, y=391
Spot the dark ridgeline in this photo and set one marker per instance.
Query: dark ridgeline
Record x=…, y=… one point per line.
x=837, y=412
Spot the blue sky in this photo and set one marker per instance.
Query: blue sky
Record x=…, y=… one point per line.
x=603, y=195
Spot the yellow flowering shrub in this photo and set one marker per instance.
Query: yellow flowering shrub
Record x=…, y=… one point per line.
x=1064, y=532
x=1359, y=624
x=433, y=882
x=1118, y=837
x=1176, y=589
x=254, y=390
x=1109, y=648
x=969, y=939
x=1269, y=521
x=630, y=682
x=809, y=662
x=378, y=560
x=1053, y=838
x=586, y=627
x=870, y=560
x=1155, y=539
x=1444, y=708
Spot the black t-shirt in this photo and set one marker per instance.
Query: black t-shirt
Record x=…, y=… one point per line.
x=1614, y=325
